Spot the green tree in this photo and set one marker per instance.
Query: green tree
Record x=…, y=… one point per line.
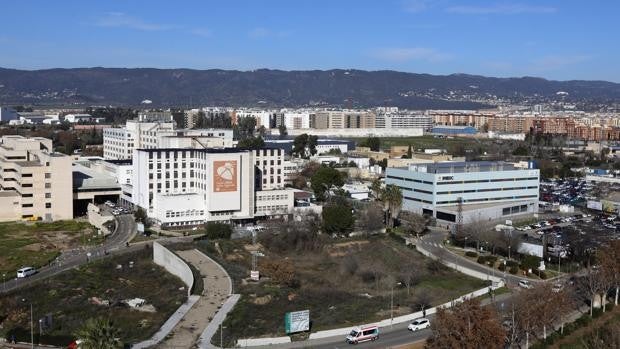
x=251, y=143
x=140, y=216
x=337, y=217
x=520, y=151
x=300, y=144
x=374, y=143
x=324, y=180
x=99, y=334
x=392, y=198
x=216, y=230
x=375, y=187
x=283, y=131
x=312, y=143
x=409, y=152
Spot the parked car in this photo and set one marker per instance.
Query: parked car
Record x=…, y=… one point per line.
x=525, y=284
x=419, y=324
x=363, y=334
x=25, y=272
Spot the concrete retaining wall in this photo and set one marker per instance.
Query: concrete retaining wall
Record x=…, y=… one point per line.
x=262, y=341
x=97, y=220
x=173, y=264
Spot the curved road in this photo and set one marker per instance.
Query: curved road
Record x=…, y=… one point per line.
x=125, y=230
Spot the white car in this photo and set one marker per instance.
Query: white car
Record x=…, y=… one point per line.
x=419, y=324
x=26, y=272
x=525, y=284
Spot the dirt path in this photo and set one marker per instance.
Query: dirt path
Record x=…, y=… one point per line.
x=216, y=288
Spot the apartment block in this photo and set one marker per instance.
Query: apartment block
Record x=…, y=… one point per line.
x=36, y=182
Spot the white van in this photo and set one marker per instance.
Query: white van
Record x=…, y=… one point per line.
x=26, y=272
x=363, y=334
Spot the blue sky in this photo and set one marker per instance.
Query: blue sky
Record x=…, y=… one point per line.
x=561, y=40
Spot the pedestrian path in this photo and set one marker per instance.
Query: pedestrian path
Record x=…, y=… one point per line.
x=216, y=290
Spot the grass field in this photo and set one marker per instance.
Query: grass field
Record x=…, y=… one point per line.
x=348, y=282
x=36, y=244
x=71, y=299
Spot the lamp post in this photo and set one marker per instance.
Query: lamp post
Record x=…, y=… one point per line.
x=509, y=251
x=222, y=335
x=392, y=304
x=4, y=281
x=24, y=300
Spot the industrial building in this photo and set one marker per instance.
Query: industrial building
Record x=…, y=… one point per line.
x=467, y=192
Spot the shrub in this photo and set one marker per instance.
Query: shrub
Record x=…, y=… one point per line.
x=501, y=267
x=512, y=264
x=481, y=260
x=471, y=254
x=542, y=275
x=216, y=230
x=514, y=269
x=491, y=259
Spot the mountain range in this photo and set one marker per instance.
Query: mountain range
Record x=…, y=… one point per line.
x=277, y=88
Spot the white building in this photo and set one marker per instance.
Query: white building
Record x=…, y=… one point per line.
x=480, y=190
x=263, y=117
x=180, y=187
x=119, y=143
x=297, y=120
x=74, y=118
x=404, y=119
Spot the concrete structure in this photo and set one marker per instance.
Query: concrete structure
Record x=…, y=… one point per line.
x=264, y=118
x=119, y=143
x=487, y=190
x=74, y=118
x=323, y=145
x=181, y=187
x=155, y=116
x=404, y=119
x=297, y=120
x=93, y=183
x=343, y=119
x=36, y=183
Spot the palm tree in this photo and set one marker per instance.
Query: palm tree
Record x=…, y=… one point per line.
x=392, y=199
x=99, y=334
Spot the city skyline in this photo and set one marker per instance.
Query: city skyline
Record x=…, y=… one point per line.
x=552, y=39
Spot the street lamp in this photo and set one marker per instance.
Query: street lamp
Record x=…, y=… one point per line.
x=222, y=335
x=24, y=300
x=509, y=251
x=392, y=304
x=4, y=281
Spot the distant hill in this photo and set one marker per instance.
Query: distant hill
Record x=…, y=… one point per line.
x=276, y=88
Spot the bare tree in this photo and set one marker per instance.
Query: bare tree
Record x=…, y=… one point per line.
x=467, y=325
x=370, y=219
x=413, y=223
x=410, y=275
x=593, y=284
x=609, y=258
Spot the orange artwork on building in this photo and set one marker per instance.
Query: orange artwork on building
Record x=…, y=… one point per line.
x=224, y=176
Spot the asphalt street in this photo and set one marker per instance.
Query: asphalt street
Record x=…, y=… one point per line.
x=113, y=244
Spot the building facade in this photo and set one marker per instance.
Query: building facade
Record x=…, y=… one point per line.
x=35, y=182
x=479, y=190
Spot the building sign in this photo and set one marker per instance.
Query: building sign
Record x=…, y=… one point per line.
x=595, y=205
x=224, y=176
x=297, y=321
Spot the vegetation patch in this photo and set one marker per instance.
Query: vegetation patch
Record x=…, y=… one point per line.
x=37, y=244
x=97, y=290
x=342, y=281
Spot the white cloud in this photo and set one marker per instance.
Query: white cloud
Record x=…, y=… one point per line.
x=122, y=20
x=204, y=32
x=503, y=9
x=415, y=6
x=404, y=54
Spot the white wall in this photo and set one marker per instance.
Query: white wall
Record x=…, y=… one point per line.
x=174, y=265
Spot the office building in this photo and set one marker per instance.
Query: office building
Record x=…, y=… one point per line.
x=35, y=182
x=404, y=119
x=481, y=191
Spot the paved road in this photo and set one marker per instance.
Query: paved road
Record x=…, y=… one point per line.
x=115, y=243
x=433, y=243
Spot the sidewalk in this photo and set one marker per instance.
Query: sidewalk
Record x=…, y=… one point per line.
x=216, y=290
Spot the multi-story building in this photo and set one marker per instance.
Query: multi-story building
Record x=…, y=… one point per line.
x=35, y=182
x=296, y=119
x=478, y=191
x=269, y=168
x=404, y=120
x=187, y=186
x=155, y=116
x=119, y=143
x=340, y=119
x=264, y=118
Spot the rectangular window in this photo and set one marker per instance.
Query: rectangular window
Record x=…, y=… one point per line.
x=48, y=205
x=48, y=195
x=26, y=175
x=27, y=205
x=26, y=185
x=48, y=185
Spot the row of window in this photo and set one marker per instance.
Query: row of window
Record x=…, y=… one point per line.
x=514, y=209
x=186, y=213
x=410, y=180
x=271, y=208
x=488, y=199
x=484, y=190
x=271, y=197
x=416, y=199
x=47, y=205
x=489, y=180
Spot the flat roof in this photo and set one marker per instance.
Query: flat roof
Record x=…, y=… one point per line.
x=463, y=167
